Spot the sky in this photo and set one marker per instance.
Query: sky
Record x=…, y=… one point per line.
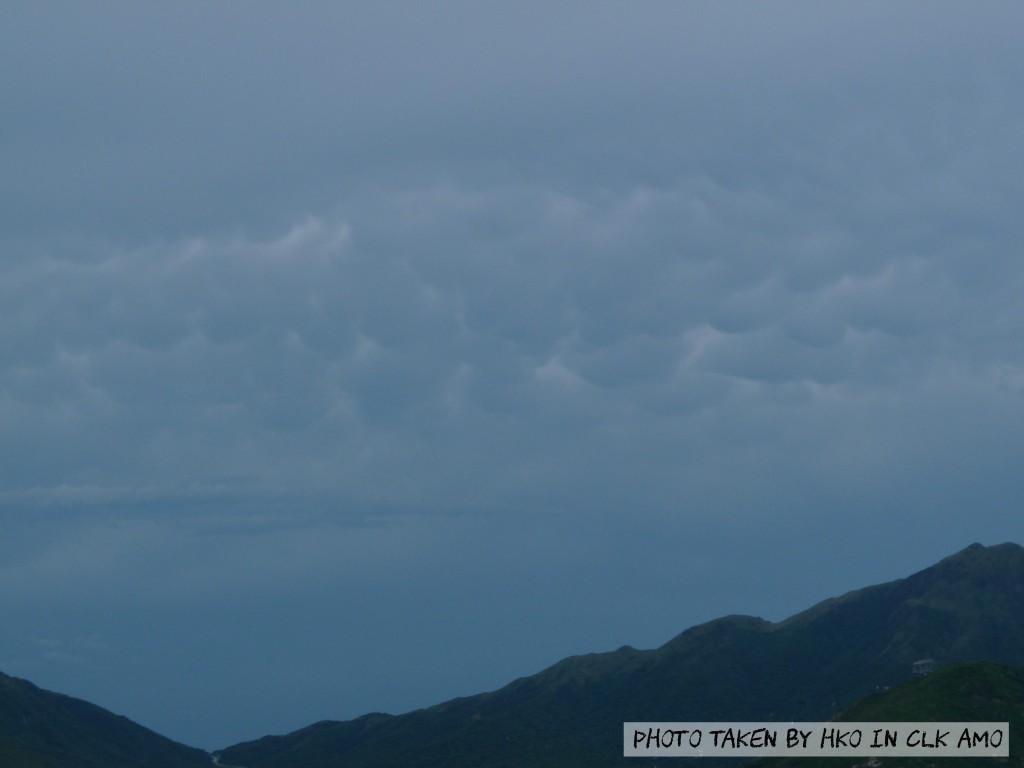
x=355, y=356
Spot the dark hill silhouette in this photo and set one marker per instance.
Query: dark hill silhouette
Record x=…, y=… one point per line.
x=41, y=729
x=738, y=668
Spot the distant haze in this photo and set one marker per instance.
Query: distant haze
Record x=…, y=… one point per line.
x=356, y=356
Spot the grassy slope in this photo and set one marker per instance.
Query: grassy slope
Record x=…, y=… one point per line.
x=966, y=692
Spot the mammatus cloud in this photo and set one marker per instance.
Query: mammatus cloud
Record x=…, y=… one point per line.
x=454, y=344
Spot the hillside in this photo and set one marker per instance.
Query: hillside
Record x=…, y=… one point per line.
x=40, y=729
x=844, y=650
x=968, y=606
x=979, y=691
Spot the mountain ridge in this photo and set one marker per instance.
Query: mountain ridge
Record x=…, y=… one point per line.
x=807, y=667
x=968, y=605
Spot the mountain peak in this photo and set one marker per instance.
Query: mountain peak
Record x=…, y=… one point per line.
x=736, y=668
x=978, y=565
x=976, y=550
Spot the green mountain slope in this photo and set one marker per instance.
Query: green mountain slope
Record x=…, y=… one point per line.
x=968, y=606
x=979, y=691
x=40, y=729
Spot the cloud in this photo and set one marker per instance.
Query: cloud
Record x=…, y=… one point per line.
x=456, y=337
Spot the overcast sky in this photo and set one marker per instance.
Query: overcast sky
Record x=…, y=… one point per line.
x=355, y=356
